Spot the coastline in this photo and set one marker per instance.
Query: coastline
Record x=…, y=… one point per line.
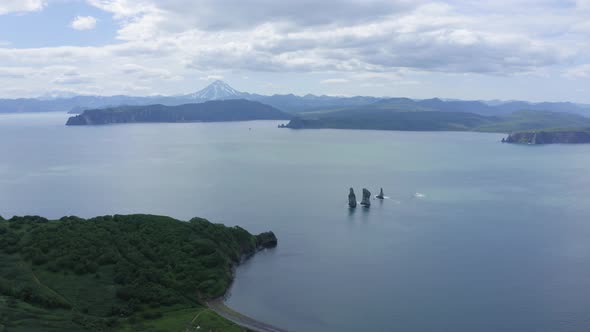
x=219, y=307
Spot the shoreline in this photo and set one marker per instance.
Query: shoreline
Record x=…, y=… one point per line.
x=218, y=306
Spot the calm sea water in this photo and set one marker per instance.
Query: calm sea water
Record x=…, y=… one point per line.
x=475, y=236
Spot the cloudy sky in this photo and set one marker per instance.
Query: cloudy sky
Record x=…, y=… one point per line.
x=504, y=49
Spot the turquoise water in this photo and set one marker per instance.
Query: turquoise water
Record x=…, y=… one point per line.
x=497, y=240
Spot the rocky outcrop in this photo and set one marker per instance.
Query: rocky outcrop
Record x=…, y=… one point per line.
x=366, y=198
x=381, y=195
x=351, y=198
x=266, y=240
x=549, y=137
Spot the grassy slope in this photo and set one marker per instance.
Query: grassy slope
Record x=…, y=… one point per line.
x=136, y=272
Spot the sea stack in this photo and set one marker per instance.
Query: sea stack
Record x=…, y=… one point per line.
x=381, y=196
x=352, y=199
x=366, y=198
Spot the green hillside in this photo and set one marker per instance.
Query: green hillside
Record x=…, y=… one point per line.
x=135, y=272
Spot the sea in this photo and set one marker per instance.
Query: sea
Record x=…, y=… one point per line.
x=473, y=235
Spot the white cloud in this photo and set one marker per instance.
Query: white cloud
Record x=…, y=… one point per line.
x=359, y=36
x=83, y=23
x=16, y=6
x=67, y=80
x=143, y=73
x=581, y=71
x=212, y=77
x=14, y=72
x=370, y=42
x=334, y=81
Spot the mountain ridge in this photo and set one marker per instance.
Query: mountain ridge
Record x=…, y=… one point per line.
x=220, y=90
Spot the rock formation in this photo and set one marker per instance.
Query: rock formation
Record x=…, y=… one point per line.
x=352, y=199
x=266, y=240
x=366, y=198
x=381, y=195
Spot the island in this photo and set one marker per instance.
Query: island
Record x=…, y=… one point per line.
x=556, y=136
x=120, y=272
x=211, y=111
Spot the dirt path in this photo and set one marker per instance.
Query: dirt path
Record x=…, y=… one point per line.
x=222, y=310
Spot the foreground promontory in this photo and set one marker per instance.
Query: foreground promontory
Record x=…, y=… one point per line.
x=211, y=111
x=566, y=136
x=133, y=272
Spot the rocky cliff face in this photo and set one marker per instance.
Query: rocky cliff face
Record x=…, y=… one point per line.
x=366, y=198
x=352, y=199
x=549, y=137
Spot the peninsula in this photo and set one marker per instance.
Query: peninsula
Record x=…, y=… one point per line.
x=121, y=272
x=211, y=111
x=425, y=120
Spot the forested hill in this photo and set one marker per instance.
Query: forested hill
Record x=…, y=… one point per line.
x=211, y=111
x=140, y=272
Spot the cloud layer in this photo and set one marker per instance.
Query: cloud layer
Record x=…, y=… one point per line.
x=16, y=6
x=343, y=41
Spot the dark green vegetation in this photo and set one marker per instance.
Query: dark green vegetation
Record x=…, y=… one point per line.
x=550, y=136
x=211, y=111
x=421, y=120
x=135, y=272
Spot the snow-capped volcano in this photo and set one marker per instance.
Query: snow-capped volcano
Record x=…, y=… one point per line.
x=216, y=91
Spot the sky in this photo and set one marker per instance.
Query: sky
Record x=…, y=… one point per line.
x=536, y=50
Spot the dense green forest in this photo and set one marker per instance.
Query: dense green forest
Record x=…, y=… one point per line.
x=134, y=272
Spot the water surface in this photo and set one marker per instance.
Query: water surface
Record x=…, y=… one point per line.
x=498, y=240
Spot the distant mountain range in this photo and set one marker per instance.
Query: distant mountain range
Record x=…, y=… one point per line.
x=219, y=90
